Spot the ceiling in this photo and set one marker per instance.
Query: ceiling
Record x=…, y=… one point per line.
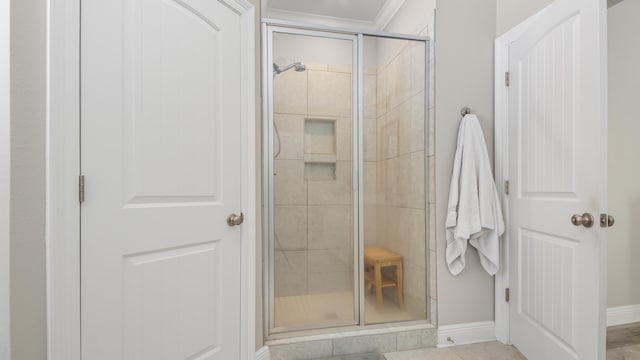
x=370, y=14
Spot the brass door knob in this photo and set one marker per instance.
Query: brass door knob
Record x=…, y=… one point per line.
x=585, y=220
x=235, y=220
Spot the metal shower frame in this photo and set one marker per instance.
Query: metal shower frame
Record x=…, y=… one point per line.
x=269, y=27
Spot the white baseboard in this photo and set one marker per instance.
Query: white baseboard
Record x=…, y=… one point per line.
x=623, y=315
x=469, y=333
x=263, y=353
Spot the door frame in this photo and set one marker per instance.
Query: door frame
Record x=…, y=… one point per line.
x=63, y=169
x=501, y=150
x=5, y=178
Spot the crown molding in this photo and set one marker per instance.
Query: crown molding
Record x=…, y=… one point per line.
x=386, y=13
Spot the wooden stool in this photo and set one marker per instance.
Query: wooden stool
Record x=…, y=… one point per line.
x=377, y=257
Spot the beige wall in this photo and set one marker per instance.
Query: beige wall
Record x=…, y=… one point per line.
x=5, y=187
x=465, y=32
x=28, y=302
x=624, y=147
x=510, y=13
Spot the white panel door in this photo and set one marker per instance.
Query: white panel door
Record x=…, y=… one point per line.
x=161, y=131
x=557, y=127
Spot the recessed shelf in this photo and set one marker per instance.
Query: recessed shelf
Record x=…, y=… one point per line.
x=319, y=171
x=319, y=136
x=320, y=158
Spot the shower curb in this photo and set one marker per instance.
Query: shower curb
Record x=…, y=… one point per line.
x=342, y=345
x=369, y=356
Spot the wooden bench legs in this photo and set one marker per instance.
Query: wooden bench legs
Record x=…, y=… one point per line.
x=375, y=280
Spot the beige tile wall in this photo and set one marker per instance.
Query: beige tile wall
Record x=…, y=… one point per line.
x=399, y=222
x=314, y=218
x=371, y=107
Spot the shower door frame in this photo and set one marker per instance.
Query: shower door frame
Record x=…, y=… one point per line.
x=268, y=165
x=270, y=26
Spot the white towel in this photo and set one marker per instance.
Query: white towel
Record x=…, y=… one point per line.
x=474, y=213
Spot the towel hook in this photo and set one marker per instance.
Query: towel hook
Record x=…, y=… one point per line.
x=465, y=111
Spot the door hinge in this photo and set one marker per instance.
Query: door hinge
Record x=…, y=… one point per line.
x=506, y=78
x=81, y=189
x=506, y=187
x=507, y=296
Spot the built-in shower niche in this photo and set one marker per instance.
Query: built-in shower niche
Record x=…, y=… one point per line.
x=319, y=171
x=320, y=149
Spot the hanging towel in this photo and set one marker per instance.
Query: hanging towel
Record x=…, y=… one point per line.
x=474, y=214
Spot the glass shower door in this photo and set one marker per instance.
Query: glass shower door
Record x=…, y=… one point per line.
x=395, y=160
x=311, y=158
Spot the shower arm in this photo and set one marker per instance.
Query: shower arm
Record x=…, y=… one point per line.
x=280, y=69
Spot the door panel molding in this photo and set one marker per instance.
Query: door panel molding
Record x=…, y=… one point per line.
x=63, y=169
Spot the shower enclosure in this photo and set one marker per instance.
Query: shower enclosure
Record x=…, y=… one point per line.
x=344, y=179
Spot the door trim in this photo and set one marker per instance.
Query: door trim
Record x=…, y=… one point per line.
x=5, y=179
x=63, y=169
x=501, y=158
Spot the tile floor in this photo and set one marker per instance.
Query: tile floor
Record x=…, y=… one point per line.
x=623, y=343
x=483, y=351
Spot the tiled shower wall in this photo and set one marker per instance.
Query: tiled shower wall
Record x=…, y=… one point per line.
x=313, y=213
x=395, y=176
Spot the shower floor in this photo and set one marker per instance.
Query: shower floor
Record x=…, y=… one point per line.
x=332, y=307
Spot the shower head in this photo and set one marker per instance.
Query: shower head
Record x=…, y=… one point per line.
x=299, y=66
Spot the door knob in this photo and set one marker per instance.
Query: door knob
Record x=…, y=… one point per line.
x=585, y=220
x=235, y=220
x=607, y=220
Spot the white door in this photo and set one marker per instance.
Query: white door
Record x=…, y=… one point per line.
x=557, y=168
x=161, y=134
